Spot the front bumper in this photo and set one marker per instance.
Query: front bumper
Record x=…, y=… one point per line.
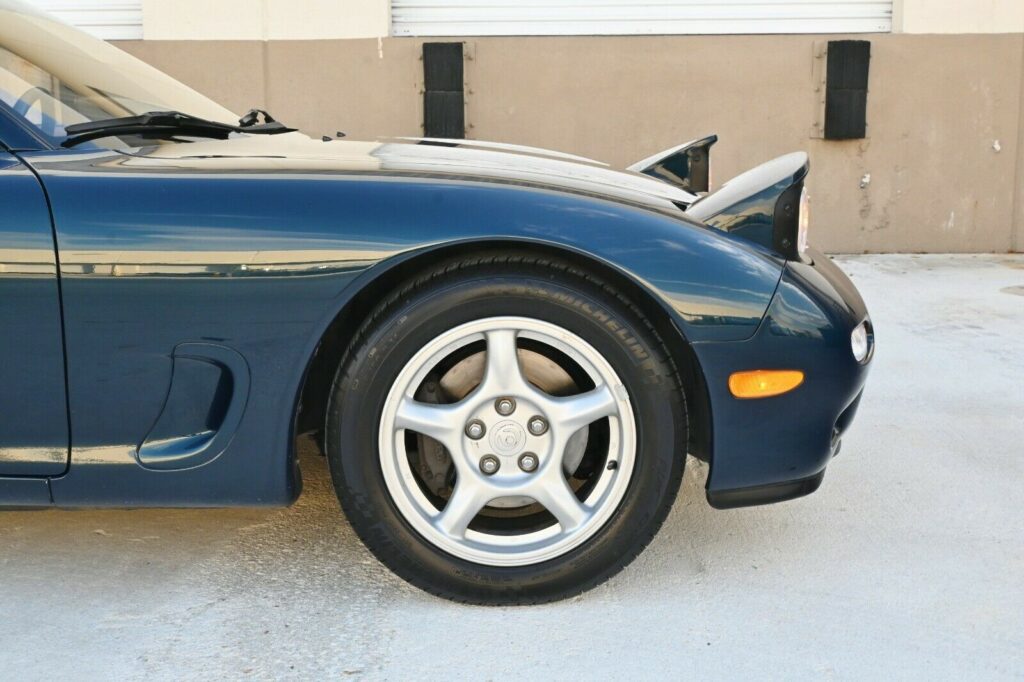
x=774, y=449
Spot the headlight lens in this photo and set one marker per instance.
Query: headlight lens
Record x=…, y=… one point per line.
x=803, y=221
x=860, y=342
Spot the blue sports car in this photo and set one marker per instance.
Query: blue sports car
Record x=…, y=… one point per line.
x=505, y=353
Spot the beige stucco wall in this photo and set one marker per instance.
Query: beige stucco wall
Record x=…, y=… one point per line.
x=1017, y=221
x=958, y=16
x=264, y=19
x=945, y=154
x=325, y=19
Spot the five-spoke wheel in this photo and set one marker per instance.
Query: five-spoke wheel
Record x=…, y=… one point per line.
x=506, y=429
x=509, y=440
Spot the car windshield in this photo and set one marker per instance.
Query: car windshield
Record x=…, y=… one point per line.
x=53, y=75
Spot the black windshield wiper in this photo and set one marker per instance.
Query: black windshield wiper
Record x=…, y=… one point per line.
x=163, y=124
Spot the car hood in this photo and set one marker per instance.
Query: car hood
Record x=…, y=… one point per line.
x=466, y=160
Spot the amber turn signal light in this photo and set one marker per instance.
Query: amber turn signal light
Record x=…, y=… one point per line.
x=764, y=383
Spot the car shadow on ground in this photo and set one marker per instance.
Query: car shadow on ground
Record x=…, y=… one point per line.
x=276, y=542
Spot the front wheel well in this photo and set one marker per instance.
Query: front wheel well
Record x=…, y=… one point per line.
x=312, y=406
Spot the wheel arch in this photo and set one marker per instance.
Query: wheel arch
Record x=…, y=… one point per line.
x=311, y=408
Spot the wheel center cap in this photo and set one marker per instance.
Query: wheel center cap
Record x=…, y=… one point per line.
x=508, y=437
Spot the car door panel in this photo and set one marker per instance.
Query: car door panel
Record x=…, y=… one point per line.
x=33, y=408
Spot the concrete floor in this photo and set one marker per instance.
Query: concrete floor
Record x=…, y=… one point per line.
x=908, y=562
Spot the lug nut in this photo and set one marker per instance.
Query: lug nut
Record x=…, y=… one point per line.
x=528, y=462
x=505, y=406
x=538, y=426
x=476, y=429
x=489, y=464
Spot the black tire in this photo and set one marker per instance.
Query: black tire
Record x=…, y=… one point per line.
x=487, y=286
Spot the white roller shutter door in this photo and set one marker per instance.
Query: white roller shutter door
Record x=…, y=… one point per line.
x=108, y=19
x=642, y=17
